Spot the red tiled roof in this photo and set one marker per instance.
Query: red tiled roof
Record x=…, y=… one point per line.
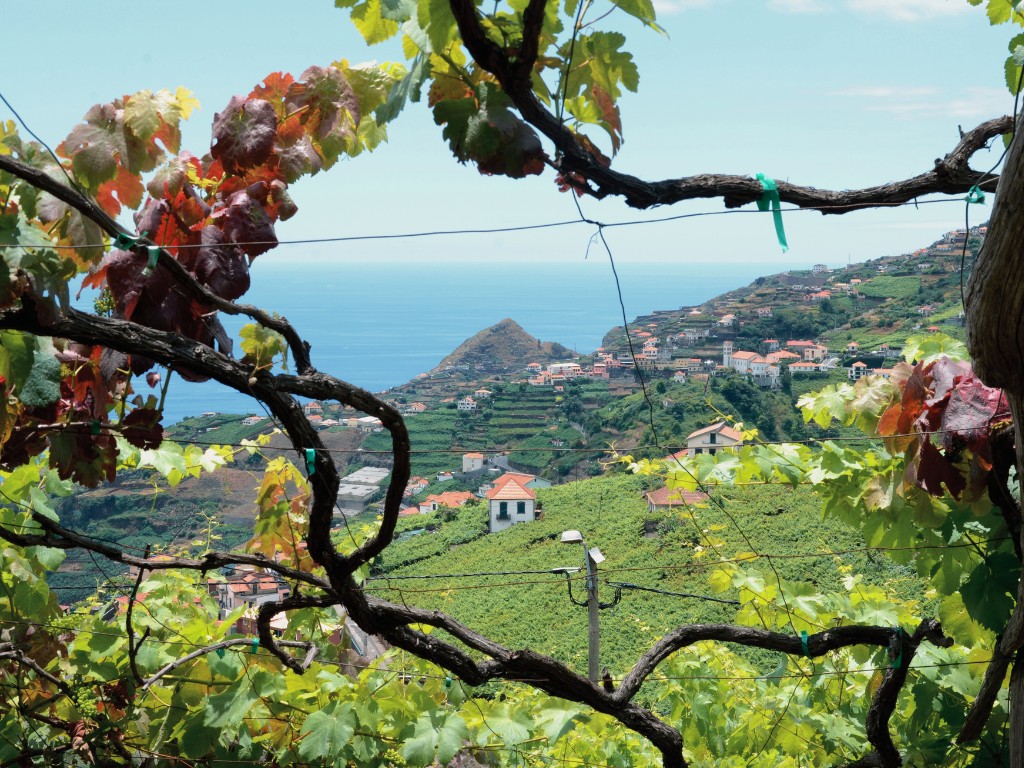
x=450, y=498
x=721, y=428
x=511, y=486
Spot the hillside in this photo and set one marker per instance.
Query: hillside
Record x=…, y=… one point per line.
x=503, y=348
x=662, y=549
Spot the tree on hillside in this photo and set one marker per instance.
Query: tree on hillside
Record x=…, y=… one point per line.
x=499, y=79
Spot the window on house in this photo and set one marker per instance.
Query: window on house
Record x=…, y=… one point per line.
x=520, y=507
x=713, y=438
x=712, y=451
x=698, y=450
x=503, y=510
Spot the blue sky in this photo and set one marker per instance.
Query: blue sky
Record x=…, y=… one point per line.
x=832, y=94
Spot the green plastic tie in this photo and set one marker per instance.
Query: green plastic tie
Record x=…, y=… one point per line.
x=94, y=427
x=154, y=257
x=447, y=682
x=770, y=197
x=898, y=661
x=255, y=645
x=311, y=461
x=220, y=652
x=803, y=643
x=975, y=196
x=125, y=242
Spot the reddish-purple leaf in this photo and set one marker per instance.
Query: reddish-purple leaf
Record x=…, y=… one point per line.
x=221, y=266
x=142, y=428
x=245, y=222
x=328, y=109
x=243, y=134
x=934, y=471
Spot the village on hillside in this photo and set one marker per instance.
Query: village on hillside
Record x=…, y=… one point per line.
x=854, y=321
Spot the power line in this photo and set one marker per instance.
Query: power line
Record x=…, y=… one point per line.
x=490, y=230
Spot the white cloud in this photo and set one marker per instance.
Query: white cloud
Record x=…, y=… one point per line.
x=909, y=10
x=797, y=6
x=886, y=92
x=910, y=102
x=667, y=7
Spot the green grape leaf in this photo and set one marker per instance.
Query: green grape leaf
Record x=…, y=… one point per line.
x=927, y=349
x=372, y=24
x=490, y=135
x=327, y=731
x=642, y=10
x=435, y=18
x=227, y=708
x=999, y=11
x=988, y=593
x=407, y=89
x=510, y=723
x=262, y=345
x=558, y=721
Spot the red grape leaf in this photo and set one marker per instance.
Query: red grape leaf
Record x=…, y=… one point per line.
x=82, y=457
x=142, y=427
x=220, y=266
x=934, y=471
x=328, y=109
x=245, y=222
x=243, y=134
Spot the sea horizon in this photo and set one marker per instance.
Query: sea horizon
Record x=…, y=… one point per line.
x=378, y=326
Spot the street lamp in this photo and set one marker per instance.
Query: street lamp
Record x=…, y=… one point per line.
x=592, y=558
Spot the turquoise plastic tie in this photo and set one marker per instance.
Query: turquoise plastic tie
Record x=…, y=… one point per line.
x=803, y=643
x=154, y=257
x=311, y=461
x=125, y=242
x=770, y=197
x=975, y=196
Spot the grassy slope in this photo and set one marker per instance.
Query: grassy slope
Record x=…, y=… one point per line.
x=534, y=611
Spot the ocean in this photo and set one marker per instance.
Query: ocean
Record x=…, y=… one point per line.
x=379, y=326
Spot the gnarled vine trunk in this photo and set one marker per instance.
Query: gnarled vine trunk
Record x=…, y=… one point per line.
x=995, y=333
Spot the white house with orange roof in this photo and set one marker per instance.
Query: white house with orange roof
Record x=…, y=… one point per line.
x=764, y=311
x=471, y=462
x=312, y=407
x=415, y=485
x=752, y=364
x=772, y=345
x=804, y=367
x=482, y=393
x=510, y=501
x=712, y=439
x=450, y=499
x=466, y=404
x=857, y=371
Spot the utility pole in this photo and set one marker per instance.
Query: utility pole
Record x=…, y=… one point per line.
x=593, y=620
x=592, y=557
